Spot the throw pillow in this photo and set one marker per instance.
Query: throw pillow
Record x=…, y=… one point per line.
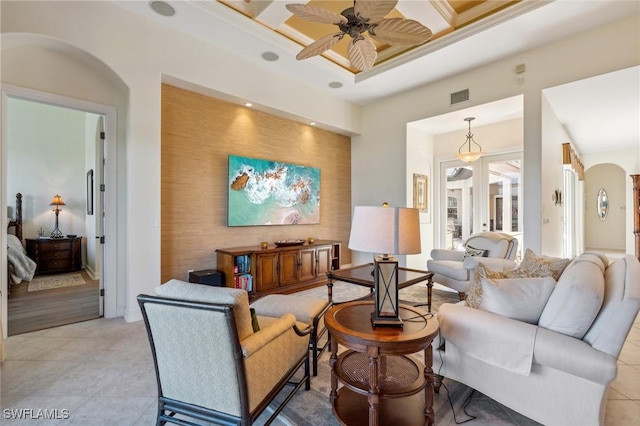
x=575, y=302
x=474, y=294
x=522, y=299
x=533, y=265
x=474, y=252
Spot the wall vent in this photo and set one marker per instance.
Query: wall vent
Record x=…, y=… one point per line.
x=461, y=96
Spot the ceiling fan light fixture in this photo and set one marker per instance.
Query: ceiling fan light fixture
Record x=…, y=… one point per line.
x=365, y=17
x=469, y=156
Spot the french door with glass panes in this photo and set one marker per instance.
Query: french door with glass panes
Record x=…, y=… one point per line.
x=485, y=195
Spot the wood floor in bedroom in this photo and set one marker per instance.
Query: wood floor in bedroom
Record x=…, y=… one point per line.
x=38, y=310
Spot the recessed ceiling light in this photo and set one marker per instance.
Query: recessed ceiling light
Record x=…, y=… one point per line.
x=270, y=56
x=335, y=85
x=162, y=8
x=248, y=104
x=313, y=123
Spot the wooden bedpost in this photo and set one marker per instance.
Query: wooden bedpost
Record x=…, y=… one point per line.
x=19, y=216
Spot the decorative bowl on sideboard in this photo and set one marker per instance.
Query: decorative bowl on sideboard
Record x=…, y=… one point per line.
x=286, y=243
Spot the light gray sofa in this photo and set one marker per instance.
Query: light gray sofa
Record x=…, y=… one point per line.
x=557, y=371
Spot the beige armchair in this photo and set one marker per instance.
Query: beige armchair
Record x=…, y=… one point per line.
x=210, y=364
x=454, y=269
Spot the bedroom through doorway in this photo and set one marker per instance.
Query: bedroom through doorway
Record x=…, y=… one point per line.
x=54, y=151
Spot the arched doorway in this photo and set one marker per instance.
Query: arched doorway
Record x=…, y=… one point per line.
x=61, y=74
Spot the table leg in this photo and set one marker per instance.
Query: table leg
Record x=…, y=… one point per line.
x=374, y=390
x=428, y=389
x=330, y=290
x=332, y=360
x=429, y=290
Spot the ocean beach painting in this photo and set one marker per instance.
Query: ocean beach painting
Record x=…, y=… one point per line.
x=263, y=192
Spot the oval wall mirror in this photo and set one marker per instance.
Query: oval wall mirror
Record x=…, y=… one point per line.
x=603, y=204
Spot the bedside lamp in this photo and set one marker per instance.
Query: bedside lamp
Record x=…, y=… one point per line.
x=386, y=231
x=57, y=202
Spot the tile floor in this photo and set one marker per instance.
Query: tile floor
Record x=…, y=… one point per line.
x=102, y=373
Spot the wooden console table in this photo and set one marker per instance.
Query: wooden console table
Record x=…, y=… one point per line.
x=379, y=376
x=284, y=269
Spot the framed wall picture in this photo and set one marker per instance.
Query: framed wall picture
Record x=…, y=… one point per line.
x=90, y=192
x=421, y=193
x=264, y=192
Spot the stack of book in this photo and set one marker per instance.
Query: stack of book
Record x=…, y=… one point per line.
x=242, y=273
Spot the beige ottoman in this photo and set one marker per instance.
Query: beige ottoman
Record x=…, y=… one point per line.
x=309, y=310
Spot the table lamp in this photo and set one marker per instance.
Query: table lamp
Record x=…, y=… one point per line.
x=57, y=202
x=385, y=231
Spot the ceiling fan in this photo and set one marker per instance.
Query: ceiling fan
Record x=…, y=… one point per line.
x=366, y=16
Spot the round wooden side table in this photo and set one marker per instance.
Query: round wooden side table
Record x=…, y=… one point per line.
x=378, y=374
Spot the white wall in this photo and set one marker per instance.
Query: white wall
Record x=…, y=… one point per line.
x=378, y=168
x=47, y=150
x=610, y=233
x=552, y=179
x=420, y=160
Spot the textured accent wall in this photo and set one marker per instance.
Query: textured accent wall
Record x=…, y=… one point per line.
x=198, y=135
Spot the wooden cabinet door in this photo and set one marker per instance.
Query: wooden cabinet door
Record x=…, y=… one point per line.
x=289, y=267
x=324, y=256
x=266, y=274
x=308, y=265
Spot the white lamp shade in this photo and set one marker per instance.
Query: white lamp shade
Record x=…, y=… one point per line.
x=387, y=230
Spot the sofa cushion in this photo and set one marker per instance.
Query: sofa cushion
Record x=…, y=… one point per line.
x=575, y=302
x=533, y=265
x=176, y=289
x=522, y=299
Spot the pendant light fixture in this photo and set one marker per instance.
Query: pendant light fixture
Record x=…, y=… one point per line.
x=469, y=156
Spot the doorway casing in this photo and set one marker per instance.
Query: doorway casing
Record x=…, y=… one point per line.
x=109, y=281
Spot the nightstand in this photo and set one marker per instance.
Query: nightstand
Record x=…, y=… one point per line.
x=55, y=255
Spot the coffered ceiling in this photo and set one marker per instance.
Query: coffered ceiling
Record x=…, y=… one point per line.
x=440, y=16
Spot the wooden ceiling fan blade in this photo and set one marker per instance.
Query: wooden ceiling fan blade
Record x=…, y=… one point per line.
x=362, y=53
x=316, y=14
x=373, y=10
x=319, y=46
x=399, y=31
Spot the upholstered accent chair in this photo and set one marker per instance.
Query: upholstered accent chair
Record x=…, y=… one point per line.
x=210, y=363
x=454, y=269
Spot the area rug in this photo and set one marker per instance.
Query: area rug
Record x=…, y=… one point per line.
x=55, y=281
x=312, y=408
